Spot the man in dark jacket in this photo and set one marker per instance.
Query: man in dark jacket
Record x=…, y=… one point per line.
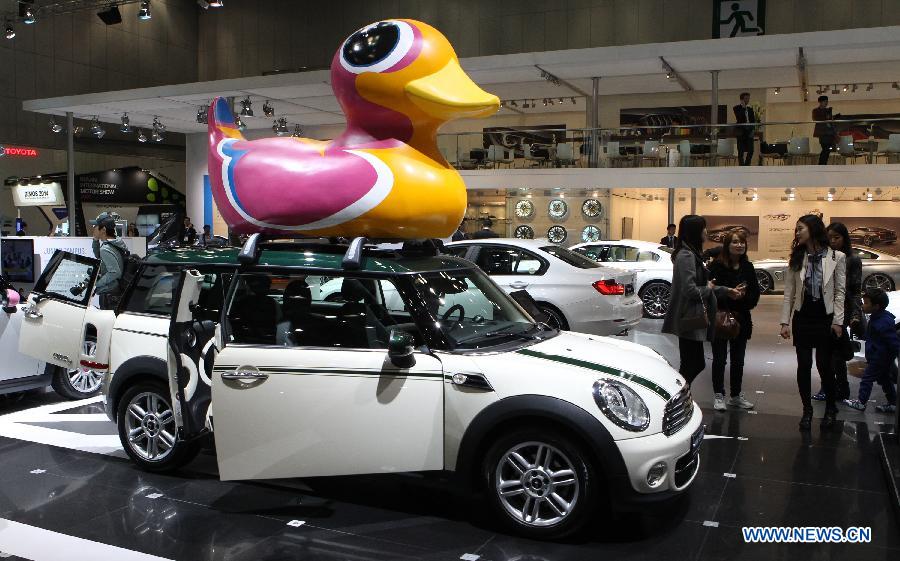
x=882, y=346
x=743, y=113
x=485, y=231
x=670, y=238
x=112, y=251
x=825, y=132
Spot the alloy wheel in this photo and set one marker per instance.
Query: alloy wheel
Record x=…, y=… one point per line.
x=83, y=379
x=879, y=280
x=150, y=423
x=655, y=297
x=537, y=484
x=764, y=280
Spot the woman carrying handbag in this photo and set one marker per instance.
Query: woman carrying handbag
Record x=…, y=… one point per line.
x=732, y=269
x=692, y=302
x=813, y=311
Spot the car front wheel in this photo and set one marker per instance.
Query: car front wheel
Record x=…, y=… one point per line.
x=147, y=430
x=878, y=280
x=765, y=281
x=540, y=484
x=655, y=296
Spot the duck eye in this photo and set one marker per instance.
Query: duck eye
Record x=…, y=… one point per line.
x=376, y=48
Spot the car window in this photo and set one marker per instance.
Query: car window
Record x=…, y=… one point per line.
x=647, y=256
x=665, y=248
x=154, y=288
x=593, y=252
x=570, y=257
x=622, y=253
x=457, y=250
x=497, y=260
x=863, y=254
x=299, y=310
x=68, y=277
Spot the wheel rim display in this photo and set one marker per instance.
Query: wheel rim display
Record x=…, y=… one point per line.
x=656, y=300
x=536, y=484
x=590, y=234
x=83, y=379
x=557, y=234
x=592, y=208
x=150, y=425
x=879, y=280
x=558, y=208
x=524, y=208
x=524, y=232
x=763, y=280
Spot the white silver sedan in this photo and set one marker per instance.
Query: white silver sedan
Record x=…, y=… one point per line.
x=879, y=270
x=576, y=293
x=651, y=263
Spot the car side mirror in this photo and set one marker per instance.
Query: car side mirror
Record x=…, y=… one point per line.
x=401, y=346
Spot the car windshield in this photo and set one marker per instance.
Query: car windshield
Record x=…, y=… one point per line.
x=471, y=311
x=570, y=257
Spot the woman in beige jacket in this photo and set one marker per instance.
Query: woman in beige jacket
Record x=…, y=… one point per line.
x=813, y=311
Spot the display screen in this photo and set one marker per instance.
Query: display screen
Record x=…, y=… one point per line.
x=17, y=257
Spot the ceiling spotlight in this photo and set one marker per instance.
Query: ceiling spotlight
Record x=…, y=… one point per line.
x=78, y=130
x=246, y=107
x=668, y=75
x=155, y=136
x=551, y=101
x=715, y=197
x=268, y=110
x=202, y=114
x=791, y=197
x=216, y=3
x=868, y=195
x=846, y=87
x=502, y=104
x=560, y=100
x=545, y=102
x=157, y=125
x=158, y=130
x=297, y=131
x=126, y=124
x=29, y=16
x=144, y=11
x=141, y=136
x=832, y=191
x=829, y=197
x=54, y=126
x=777, y=91
x=239, y=123
x=96, y=129
x=895, y=86
x=755, y=196
x=514, y=103
x=10, y=30
x=573, y=101
x=280, y=128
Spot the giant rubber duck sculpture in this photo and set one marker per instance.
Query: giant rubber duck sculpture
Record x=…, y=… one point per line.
x=397, y=81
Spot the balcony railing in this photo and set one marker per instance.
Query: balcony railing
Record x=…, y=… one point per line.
x=855, y=142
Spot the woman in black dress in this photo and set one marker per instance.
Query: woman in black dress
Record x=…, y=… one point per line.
x=813, y=311
x=732, y=269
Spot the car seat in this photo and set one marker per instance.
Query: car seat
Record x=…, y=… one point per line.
x=256, y=313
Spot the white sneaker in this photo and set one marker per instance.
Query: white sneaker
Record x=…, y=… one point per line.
x=719, y=403
x=740, y=401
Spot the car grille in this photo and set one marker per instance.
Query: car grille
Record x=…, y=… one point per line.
x=678, y=411
x=686, y=466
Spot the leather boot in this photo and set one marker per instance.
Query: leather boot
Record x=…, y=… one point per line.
x=829, y=418
x=806, y=419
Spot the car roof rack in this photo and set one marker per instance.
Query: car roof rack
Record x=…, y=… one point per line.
x=353, y=255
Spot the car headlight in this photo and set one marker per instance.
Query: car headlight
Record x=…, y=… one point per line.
x=622, y=405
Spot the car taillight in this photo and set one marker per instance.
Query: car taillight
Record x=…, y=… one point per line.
x=609, y=287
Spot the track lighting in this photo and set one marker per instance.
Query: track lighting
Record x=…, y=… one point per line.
x=835, y=90
x=202, y=116
x=29, y=17
x=502, y=104
x=126, y=124
x=10, y=30
x=573, y=101
x=513, y=103
x=216, y=3
x=239, y=123
x=141, y=136
x=895, y=86
x=854, y=88
x=54, y=126
x=246, y=107
x=829, y=197
x=777, y=91
x=144, y=11
x=297, y=131
x=268, y=110
x=157, y=125
x=846, y=87
x=870, y=87
x=158, y=130
x=96, y=129
x=545, y=102
x=550, y=77
x=280, y=128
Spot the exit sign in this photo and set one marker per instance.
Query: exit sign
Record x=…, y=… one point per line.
x=18, y=152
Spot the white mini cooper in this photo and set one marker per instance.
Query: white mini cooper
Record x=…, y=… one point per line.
x=454, y=375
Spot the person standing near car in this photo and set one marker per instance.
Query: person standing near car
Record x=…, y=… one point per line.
x=733, y=269
x=813, y=311
x=111, y=252
x=691, y=315
x=839, y=239
x=743, y=114
x=824, y=131
x=670, y=238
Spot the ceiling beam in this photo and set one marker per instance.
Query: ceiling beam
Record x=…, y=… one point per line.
x=801, y=74
x=673, y=74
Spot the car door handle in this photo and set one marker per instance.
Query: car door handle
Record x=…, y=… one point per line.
x=518, y=285
x=252, y=375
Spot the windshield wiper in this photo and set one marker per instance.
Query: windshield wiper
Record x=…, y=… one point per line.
x=522, y=334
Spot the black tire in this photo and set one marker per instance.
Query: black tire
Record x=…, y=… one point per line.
x=879, y=280
x=177, y=455
x=555, y=318
x=77, y=383
x=582, y=496
x=655, y=297
x=766, y=283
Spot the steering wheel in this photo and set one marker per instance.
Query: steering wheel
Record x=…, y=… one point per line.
x=449, y=312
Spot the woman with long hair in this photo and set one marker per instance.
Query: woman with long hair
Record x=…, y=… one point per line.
x=839, y=239
x=733, y=269
x=813, y=311
x=692, y=302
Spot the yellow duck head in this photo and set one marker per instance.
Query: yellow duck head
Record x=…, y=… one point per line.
x=401, y=79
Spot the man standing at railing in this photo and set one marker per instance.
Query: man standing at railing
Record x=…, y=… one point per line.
x=743, y=113
x=824, y=131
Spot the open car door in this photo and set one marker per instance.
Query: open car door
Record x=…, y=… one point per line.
x=53, y=321
x=193, y=344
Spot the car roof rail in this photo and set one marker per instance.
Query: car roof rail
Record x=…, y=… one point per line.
x=352, y=260
x=249, y=253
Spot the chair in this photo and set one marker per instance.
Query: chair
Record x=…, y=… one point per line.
x=536, y=161
x=725, y=152
x=651, y=153
x=798, y=151
x=846, y=151
x=614, y=160
x=463, y=160
x=565, y=155
x=496, y=156
x=891, y=152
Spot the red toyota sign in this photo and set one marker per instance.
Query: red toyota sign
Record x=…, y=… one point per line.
x=18, y=152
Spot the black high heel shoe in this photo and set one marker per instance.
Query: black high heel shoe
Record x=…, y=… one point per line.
x=829, y=419
x=806, y=419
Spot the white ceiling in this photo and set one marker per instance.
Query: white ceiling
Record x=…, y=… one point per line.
x=845, y=56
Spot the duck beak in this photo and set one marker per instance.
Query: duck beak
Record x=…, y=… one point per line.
x=450, y=94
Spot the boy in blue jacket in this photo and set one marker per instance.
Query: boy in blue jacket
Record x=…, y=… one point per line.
x=882, y=346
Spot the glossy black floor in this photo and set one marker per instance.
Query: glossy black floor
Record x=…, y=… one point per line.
x=756, y=470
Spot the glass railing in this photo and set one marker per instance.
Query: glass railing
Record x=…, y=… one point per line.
x=661, y=144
